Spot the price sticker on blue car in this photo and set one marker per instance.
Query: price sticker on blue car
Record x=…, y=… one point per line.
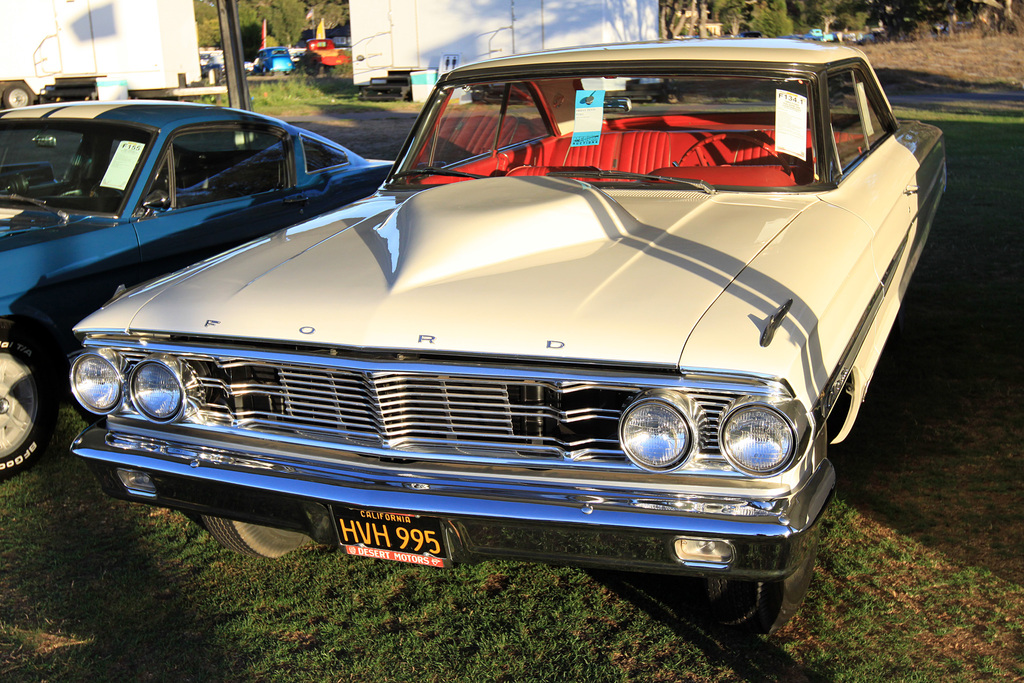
x=122, y=165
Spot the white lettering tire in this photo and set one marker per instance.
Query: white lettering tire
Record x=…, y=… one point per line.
x=28, y=400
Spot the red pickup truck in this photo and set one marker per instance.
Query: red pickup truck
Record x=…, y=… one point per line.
x=321, y=55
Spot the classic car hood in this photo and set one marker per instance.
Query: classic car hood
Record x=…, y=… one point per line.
x=533, y=267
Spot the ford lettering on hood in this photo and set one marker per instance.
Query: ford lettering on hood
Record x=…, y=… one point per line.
x=523, y=267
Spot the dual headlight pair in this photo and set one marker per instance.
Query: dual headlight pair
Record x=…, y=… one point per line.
x=658, y=433
x=157, y=387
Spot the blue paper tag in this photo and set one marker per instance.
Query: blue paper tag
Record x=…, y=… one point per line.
x=589, y=118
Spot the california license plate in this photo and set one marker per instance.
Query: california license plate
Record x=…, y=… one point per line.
x=394, y=536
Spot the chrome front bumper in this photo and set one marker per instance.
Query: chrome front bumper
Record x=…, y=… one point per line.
x=486, y=513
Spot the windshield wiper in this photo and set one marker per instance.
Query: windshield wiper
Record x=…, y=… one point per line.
x=436, y=170
x=63, y=215
x=626, y=175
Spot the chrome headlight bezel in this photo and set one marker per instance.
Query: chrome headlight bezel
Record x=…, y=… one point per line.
x=791, y=418
x=674, y=404
x=180, y=378
x=106, y=358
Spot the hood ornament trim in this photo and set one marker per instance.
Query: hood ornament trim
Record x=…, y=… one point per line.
x=774, y=323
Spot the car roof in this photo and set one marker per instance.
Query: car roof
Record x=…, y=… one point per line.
x=743, y=50
x=157, y=114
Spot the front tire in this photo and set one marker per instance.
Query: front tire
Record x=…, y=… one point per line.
x=252, y=539
x=28, y=400
x=762, y=606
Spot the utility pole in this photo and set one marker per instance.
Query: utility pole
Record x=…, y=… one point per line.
x=234, y=59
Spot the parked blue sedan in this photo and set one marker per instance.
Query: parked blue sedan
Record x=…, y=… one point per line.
x=98, y=195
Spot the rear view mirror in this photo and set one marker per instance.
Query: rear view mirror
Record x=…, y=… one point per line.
x=618, y=104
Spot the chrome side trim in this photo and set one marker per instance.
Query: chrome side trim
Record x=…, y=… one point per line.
x=834, y=386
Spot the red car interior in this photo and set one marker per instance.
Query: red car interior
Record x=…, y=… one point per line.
x=727, y=150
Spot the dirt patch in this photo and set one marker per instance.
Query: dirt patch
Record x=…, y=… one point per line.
x=960, y=63
x=374, y=135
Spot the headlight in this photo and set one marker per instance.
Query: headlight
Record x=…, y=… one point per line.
x=656, y=432
x=96, y=381
x=757, y=439
x=158, y=388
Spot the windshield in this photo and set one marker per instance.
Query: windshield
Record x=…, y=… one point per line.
x=719, y=130
x=74, y=166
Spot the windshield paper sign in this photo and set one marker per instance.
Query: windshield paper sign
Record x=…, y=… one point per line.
x=791, y=124
x=589, y=117
x=119, y=172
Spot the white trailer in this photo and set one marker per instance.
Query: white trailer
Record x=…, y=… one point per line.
x=96, y=49
x=392, y=40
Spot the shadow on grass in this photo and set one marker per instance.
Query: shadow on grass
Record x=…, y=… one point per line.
x=84, y=596
x=681, y=605
x=936, y=450
x=906, y=81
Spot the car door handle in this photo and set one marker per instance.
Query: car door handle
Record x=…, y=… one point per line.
x=911, y=189
x=297, y=199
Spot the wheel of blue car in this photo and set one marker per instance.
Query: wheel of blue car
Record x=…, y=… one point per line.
x=28, y=400
x=252, y=539
x=762, y=606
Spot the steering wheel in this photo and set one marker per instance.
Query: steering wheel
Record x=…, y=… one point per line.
x=702, y=157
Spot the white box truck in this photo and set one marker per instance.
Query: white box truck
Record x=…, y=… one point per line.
x=398, y=45
x=96, y=49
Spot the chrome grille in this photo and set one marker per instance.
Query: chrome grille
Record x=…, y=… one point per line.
x=479, y=413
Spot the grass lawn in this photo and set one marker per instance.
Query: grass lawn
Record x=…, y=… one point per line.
x=302, y=96
x=920, y=575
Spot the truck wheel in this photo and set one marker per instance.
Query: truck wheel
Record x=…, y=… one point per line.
x=252, y=539
x=28, y=400
x=16, y=96
x=761, y=606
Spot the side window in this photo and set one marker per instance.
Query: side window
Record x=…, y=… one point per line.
x=856, y=125
x=320, y=156
x=213, y=165
x=468, y=125
x=158, y=196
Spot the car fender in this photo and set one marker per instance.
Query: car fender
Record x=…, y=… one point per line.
x=822, y=263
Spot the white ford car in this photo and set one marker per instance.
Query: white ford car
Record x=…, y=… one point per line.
x=609, y=309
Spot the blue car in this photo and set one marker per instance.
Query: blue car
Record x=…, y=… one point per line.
x=95, y=196
x=273, y=60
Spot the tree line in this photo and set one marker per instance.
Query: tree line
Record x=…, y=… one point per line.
x=890, y=18
x=287, y=19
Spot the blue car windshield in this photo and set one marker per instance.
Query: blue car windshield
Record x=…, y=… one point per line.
x=74, y=166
